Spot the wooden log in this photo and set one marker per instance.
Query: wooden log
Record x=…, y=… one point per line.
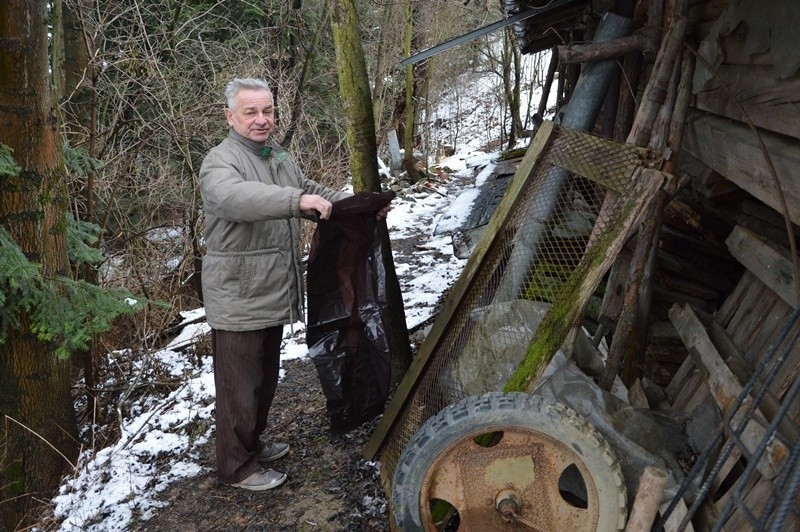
x=623, y=339
x=740, y=159
x=658, y=84
x=725, y=389
x=650, y=127
x=649, y=497
x=645, y=42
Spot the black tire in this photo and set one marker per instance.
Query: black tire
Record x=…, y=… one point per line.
x=457, y=426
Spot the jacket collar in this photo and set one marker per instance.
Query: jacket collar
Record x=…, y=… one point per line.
x=270, y=149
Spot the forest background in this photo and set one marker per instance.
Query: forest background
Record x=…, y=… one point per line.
x=107, y=109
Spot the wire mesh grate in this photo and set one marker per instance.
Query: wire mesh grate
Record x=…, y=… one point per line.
x=534, y=247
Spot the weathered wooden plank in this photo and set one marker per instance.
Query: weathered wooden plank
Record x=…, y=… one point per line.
x=688, y=390
x=753, y=292
x=728, y=495
x=740, y=160
x=699, y=397
x=725, y=470
x=675, y=518
x=766, y=263
x=769, y=404
x=754, y=215
x=686, y=286
x=770, y=326
x=772, y=104
x=679, y=379
x=756, y=501
x=748, y=331
x=725, y=389
x=733, y=301
x=785, y=375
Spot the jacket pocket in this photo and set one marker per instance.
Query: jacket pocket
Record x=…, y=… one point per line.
x=266, y=278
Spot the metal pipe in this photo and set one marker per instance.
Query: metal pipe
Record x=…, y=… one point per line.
x=581, y=114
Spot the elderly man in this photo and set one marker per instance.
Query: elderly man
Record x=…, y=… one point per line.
x=253, y=195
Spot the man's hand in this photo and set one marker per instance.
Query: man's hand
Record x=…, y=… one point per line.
x=313, y=204
x=381, y=214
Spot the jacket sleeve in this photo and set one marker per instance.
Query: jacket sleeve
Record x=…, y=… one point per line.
x=230, y=197
x=312, y=187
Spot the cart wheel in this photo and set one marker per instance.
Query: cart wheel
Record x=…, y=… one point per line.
x=508, y=462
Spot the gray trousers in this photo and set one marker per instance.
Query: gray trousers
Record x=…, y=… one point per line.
x=246, y=368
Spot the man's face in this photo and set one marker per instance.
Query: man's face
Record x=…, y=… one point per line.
x=254, y=115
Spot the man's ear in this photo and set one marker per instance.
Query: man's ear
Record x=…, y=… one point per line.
x=229, y=116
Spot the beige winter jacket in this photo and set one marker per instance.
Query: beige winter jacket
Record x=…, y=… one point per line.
x=252, y=271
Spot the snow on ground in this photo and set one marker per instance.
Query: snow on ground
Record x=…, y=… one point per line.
x=159, y=438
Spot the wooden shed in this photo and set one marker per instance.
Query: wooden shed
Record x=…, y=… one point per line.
x=656, y=214
x=703, y=300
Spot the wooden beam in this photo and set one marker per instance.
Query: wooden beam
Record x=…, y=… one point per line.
x=725, y=389
x=765, y=262
x=730, y=148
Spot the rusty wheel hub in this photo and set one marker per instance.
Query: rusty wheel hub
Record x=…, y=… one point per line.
x=514, y=482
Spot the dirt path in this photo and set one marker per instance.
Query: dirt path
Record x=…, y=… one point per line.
x=330, y=486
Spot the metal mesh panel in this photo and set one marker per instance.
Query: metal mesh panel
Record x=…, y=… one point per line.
x=538, y=238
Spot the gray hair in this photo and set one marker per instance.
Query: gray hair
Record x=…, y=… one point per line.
x=237, y=84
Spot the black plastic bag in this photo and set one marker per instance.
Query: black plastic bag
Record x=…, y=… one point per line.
x=346, y=311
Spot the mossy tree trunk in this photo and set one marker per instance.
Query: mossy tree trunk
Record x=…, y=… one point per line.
x=38, y=432
x=355, y=92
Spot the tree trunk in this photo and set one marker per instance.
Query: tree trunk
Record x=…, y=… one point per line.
x=35, y=399
x=79, y=124
x=305, y=73
x=381, y=69
x=355, y=92
x=410, y=92
x=512, y=81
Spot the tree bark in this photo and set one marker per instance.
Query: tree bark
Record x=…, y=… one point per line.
x=355, y=92
x=35, y=398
